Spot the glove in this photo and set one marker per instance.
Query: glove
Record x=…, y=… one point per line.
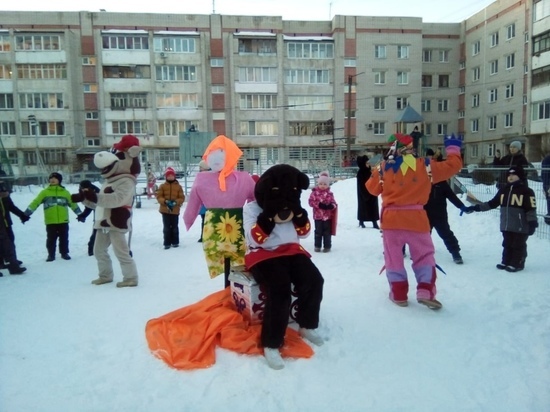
x=77, y=197
x=533, y=224
x=300, y=219
x=266, y=223
x=452, y=140
x=25, y=218
x=81, y=218
x=326, y=206
x=28, y=212
x=467, y=210
x=170, y=203
x=90, y=194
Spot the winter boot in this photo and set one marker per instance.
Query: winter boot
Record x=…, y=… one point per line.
x=326, y=250
x=101, y=281
x=127, y=283
x=402, y=303
x=50, y=258
x=16, y=269
x=457, y=258
x=317, y=249
x=65, y=256
x=501, y=266
x=433, y=304
x=273, y=358
x=361, y=225
x=512, y=269
x=166, y=247
x=375, y=225
x=312, y=336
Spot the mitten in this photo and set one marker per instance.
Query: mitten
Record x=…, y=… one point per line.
x=28, y=212
x=323, y=206
x=90, y=195
x=170, y=204
x=300, y=219
x=533, y=224
x=452, y=140
x=24, y=218
x=466, y=209
x=266, y=223
x=271, y=207
x=329, y=206
x=81, y=218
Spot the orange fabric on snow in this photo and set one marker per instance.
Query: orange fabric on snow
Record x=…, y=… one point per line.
x=187, y=338
x=232, y=155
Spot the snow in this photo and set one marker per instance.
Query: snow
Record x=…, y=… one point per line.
x=66, y=345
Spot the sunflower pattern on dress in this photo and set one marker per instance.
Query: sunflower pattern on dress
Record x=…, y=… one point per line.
x=223, y=237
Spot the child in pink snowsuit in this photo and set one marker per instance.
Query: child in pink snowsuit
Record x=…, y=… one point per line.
x=324, y=206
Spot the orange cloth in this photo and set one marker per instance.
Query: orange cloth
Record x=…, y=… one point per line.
x=232, y=155
x=413, y=187
x=186, y=338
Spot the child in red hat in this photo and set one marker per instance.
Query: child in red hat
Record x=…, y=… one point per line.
x=170, y=197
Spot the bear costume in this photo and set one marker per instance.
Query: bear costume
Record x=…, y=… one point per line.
x=273, y=225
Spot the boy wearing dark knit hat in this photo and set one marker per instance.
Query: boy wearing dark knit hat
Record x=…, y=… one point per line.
x=518, y=218
x=56, y=200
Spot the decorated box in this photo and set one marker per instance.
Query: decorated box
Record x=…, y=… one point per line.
x=249, y=299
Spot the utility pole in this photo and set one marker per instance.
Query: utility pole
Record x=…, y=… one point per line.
x=348, y=136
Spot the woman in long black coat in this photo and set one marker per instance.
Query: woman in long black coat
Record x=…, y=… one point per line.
x=367, y=204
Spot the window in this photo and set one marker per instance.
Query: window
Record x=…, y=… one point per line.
x=510, y=61
x=402, y=77
x=89, y=88
x=474, y=125
x=402, y=52
x=461, y=114
x=176, y=73
x=379, y=77
x=127, y=72
x=442, y=129
x=91, y=142
x=88, y=61
x=177, y=100
x=310, y=128
x=296, y=76
x=7, y=128
x=92, y=115
x=258, y=46
x=253, y=128
x=380, y=103
x=5, y=72
x=493, y=39
x=426, y=55
x=173, y=127
x=541, y=110
x=508, y=119
x=38, y=42
x=426, y=105
x=5, y=45
x=475, y=100
x=216, y=62
x=493, y=95
x=54, y=156
x=541, y=10
x=128, y=100
x=443, y=56
x=125, y=127
x=218, y=89
x=41, y=100
x=461, y=90
x=257, y=74
x=476, y=74
x=541, y=43
x=379, y=128
x=350, y=62
x=125, y=42
x=311, y=50
x=491, y=149
x=443, y=105
x=510, y=31
x=402, y=102
x=493, y=67
x=475, y=150
x=6, y=101
x=310, y=102
x=42, y=129
x=492, y=120
x=476, y=48
x=379, y=51
x=427, y=80
x=176, y=44
x=427, y=129
x=443, y=81
x=258, y=101
x=42, y=71
x=509, y=91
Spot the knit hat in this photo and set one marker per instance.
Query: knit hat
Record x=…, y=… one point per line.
x=126, y=142
x=169, y=171
x=57, y=176
x=324, y=177
x=430, y=152
x=518, y=171
x=516, y=144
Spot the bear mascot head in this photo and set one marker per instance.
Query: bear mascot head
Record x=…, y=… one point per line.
x=278, y=191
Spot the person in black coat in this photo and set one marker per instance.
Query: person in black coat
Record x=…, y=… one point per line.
x=436, y=209
x=514, y=158
x=8, y=256
x=86, y=184
x=367, y=204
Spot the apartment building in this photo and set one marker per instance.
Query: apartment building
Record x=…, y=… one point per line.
x=72, y=83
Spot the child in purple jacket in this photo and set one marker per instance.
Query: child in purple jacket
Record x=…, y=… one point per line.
x=324, y=206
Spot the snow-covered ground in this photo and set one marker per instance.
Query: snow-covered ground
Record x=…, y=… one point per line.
x=66, y=345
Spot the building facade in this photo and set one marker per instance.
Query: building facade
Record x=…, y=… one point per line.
x=72, y=83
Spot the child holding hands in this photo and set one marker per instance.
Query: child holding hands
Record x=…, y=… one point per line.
x=324, y=206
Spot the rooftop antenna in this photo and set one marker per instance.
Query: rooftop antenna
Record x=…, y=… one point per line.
x=330, y=10
x=213, y=6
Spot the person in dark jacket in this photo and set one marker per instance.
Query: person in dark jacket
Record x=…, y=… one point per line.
x=86, y=184
x=7, y=245
x=518, y=218
x=367, y=204
x=170, y=197
x=514, y=158
x=545, y=177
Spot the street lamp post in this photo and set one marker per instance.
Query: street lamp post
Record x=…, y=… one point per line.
x=348, y=137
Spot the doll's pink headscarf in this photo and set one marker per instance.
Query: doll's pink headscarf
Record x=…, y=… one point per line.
x=232, y=155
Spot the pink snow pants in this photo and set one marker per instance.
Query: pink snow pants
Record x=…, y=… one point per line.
x=422, y=251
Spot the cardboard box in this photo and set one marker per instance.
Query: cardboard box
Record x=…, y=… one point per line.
x=249, y=298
